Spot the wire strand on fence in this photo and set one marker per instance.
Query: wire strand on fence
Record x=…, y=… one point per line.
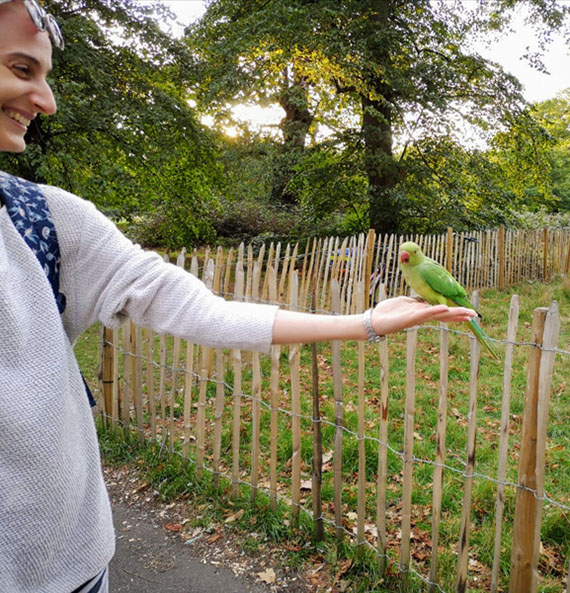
x=462, y=472
x=301, y=508
x=348, y=431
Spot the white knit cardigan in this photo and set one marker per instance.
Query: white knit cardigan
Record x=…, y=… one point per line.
x=56, y=530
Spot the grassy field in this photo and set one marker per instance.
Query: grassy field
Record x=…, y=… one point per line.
x=176, y=477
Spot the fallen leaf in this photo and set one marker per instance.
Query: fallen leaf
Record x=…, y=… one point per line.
x=173, y=526
x=267, y=576
x=213, y=538
x=237, y=515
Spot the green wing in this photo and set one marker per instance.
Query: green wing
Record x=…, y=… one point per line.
x=442, y=282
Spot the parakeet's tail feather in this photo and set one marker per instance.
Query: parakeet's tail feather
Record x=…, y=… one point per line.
x=482, y=338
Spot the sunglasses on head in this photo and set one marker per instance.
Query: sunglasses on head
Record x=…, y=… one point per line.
x=43, y=21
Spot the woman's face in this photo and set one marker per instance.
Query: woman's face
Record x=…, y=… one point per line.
x=25, y=61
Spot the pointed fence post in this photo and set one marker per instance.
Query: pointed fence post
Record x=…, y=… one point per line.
x=526, y=502
x=317, y=477
x=504, y=438
x=408, y=459
x=361, y=504
x=501, y=254
x=545, y=273
x=463, y=556
x=274, y=422
x=449, y=250
x=338, y=416
x=440, y=452
x=549, y=343
x=381, y=483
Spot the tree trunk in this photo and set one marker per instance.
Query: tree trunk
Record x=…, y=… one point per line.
x=380, y=166
x=295, y=126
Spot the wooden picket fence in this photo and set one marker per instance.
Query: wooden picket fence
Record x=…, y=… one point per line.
x=307, y=428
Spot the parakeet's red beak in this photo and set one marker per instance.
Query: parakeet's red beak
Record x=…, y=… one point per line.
x=404, y=257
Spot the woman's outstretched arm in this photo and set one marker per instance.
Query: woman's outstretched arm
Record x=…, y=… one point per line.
x=388, y=316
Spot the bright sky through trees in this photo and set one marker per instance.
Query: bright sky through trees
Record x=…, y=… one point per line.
x=508, y=52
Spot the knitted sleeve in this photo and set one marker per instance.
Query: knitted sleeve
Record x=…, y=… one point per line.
x=106, y=277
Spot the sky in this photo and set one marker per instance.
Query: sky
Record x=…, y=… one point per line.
x=508, y=52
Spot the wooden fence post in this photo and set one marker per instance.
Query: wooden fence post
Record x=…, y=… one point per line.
x=449, y=250
x=274, y=423
x=369, y=261
x=219, y=413
x=136, y=366
x=440, y=451
x=204, y=372
x=150, y=381
x=256, y=396
x=549, y=343
x=338, y=414
x=126, y=394
x=317, y=477
x=294, y=364
x=381, y=484
x=107, y=373
x=504, y=437
x=567, y=266
x=525, y=509
x=463, y=557
x=501, y=257
x=115, y=404
x=237, y=386
x=408, y=460
x=545, y=256
x=361, y=504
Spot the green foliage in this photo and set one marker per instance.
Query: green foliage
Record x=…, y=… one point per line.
x=398, y=82
x=329, y=194
x=327, y=180
x=554, y=116
x=538, y=219
x=124, y=136
x=392, y=84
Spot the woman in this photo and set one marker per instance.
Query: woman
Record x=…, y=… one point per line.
x=56, y=531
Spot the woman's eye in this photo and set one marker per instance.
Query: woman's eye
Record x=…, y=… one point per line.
x=22, y=69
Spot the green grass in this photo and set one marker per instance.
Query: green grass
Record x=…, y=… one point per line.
x=174, y=476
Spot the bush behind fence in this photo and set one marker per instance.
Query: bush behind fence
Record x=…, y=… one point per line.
x=374, y=442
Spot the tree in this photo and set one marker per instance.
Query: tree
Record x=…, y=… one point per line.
x=402, y=69
x=124, y=135
x=554, y=116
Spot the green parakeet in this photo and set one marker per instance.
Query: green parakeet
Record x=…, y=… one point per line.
x=437, y=286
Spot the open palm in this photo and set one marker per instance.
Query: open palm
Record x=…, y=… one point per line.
x=402, y=312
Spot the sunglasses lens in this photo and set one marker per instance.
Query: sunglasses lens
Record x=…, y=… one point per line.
x=54, y=31
x=36, y=14
x=44, y=21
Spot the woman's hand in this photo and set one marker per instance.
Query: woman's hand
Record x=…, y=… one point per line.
x=401, y=312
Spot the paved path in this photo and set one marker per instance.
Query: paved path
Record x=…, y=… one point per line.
x=149, y=560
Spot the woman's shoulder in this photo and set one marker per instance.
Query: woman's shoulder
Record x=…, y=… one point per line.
x=29, y=190
x=61, y=198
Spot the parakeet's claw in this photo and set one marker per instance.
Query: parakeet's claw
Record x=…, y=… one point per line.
x=419, y=299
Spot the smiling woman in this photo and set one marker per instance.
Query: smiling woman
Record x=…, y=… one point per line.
x=25, y=61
